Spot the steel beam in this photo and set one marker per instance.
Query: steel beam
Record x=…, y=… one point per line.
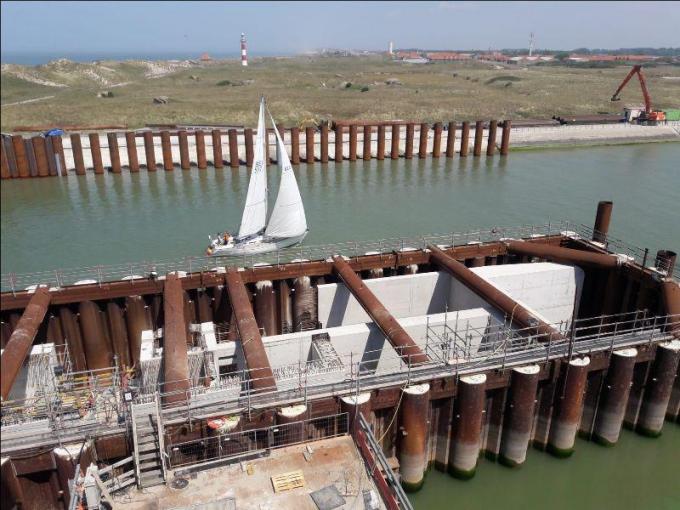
x=175, y=358
x=21, y=340
x=261, y=375
x=397, y=336
x=522, y=317
x=565, y=255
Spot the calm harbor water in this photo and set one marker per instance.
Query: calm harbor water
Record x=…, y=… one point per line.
x=67, y=223
x=105, y=219
x=637, y=474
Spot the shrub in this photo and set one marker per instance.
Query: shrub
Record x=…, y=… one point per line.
x=223, y=83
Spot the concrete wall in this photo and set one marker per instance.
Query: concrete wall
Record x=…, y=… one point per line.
x=550, y=290
x=366, y=344
x=403, y=296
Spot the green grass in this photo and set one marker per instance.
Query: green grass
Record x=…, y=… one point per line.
x=306, y=90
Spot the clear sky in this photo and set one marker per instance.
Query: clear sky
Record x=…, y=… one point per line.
x=290, y=27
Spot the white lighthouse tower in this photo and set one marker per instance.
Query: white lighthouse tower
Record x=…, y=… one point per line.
x=244, y=54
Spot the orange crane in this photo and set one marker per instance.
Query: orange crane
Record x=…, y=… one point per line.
x=649, y=115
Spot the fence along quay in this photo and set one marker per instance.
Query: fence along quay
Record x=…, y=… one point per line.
x=167, y=149
x=420, y=364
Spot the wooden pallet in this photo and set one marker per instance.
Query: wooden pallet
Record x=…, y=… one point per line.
x=288, y=481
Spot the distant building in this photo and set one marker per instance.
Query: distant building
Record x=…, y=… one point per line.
x=416, y=60
x=611, y=58
x=205, y=57
x=494, y=56
x=408, y=54
x=447, y=56
x=391, y=48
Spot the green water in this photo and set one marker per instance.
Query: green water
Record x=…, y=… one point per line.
x=637, y=474
x=63, y=223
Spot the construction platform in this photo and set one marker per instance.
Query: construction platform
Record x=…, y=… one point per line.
x=302, y=470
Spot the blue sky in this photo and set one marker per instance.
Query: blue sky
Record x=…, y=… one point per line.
x=285, y=27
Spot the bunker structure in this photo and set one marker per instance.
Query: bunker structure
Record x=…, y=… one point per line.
x=428, y=352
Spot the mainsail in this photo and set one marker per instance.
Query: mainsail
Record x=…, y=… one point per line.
x=255, y=212
x=288, y=216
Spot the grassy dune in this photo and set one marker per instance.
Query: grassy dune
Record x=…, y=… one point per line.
x=306, y=90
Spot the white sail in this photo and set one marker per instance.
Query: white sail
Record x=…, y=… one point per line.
x=288, y=216
x=255, y=211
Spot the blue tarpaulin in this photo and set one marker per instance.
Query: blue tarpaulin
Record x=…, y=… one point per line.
x=54, y=132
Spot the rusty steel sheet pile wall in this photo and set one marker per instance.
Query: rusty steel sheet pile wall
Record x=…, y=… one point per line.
x=41, y=156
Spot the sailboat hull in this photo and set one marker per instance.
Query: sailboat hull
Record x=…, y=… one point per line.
x=257, y=246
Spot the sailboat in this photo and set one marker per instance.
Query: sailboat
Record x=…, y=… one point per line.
x=287, y=225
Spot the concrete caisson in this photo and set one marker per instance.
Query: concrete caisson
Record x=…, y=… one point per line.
x=569, y=407
x=614, y=396
x=467, y=426
x=413, y=435
x=519, y=415
x=659, y=388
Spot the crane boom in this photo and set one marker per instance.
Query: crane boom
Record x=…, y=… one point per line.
x=637, y=69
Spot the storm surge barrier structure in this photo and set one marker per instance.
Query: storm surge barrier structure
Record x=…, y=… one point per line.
x=166, y=150
x=303, y=345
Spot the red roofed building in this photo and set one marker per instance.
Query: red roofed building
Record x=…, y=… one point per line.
x=407, y=54
x=439, y=56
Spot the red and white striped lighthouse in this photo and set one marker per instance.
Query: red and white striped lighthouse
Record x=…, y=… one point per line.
x=244, y=54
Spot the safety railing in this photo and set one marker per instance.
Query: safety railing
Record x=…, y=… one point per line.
x=231, y=446
x=465, y=350
x=134, y=271
x=453, y=349
x=378, y=467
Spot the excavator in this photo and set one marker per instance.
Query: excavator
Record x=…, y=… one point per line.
x=649, y=116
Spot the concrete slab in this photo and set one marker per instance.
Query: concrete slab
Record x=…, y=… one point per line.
x=333, y=462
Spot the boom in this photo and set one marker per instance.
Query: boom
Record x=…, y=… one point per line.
x=637, y=69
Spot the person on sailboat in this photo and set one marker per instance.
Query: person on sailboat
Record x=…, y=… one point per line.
x=287, y=224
